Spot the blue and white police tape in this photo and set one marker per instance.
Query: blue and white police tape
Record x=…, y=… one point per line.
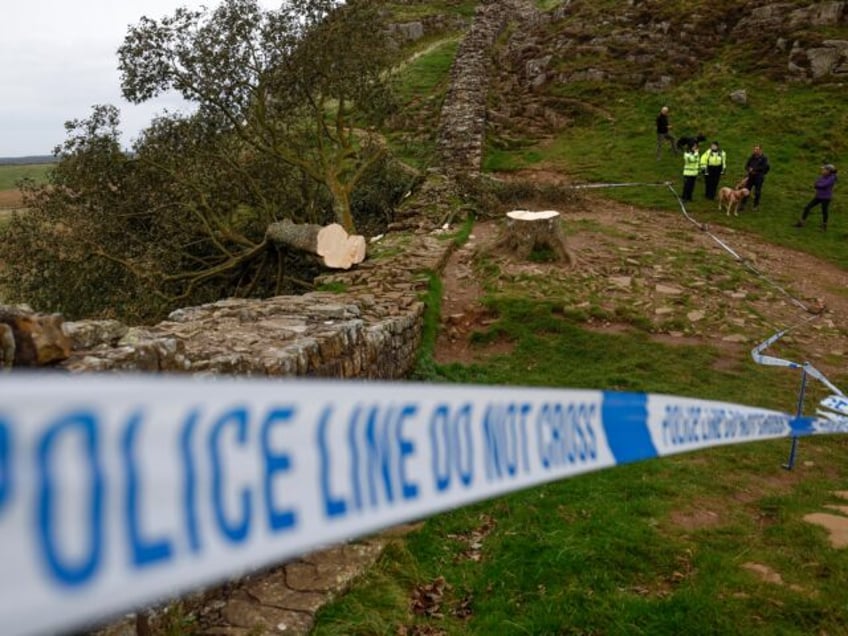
x=760, y=358
x=598, y=186
x=744, y=262
x=116, y=492
x=833, y=407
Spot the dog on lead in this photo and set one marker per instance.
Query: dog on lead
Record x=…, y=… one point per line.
x=686, y=142
x=730, y=198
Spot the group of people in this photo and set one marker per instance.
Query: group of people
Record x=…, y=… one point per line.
x=712, y=164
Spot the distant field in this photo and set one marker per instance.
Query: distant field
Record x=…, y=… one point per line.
x=10, y=196
x=10, y=199
x=11, y=174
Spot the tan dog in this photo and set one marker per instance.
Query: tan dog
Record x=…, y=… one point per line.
x=730, y=198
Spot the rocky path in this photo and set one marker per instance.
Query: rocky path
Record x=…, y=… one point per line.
x=670, y=278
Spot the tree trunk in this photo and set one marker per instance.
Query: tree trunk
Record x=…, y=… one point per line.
x=334, y=247
x=340, y=192
x=526, y=231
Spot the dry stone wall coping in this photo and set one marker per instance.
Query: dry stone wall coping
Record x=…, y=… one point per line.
x=370, y=330
x=462, y=125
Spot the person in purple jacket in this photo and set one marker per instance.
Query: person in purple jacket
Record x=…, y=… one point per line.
x=824, y=192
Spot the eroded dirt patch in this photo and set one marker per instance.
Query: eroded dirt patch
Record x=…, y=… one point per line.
x=835, y=524
x=695, y=519
x=463, y=311
x=667, y=279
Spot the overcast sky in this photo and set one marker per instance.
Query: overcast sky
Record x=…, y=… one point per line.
x=58, y=58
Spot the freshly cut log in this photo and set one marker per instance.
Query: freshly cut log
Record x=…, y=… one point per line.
x=335, y=248
x=526, y=231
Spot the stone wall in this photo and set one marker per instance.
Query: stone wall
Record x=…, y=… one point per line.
x=462, y=124
x=371, y=330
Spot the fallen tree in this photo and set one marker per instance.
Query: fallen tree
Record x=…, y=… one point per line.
x=333, y=246
x=294, y=84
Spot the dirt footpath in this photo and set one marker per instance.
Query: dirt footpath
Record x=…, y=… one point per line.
x=665, y=275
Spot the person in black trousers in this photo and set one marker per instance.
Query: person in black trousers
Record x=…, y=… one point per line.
x=824, y=193
x=756, y=169
x=713, y=165
x=691, y=166
x=664, y=132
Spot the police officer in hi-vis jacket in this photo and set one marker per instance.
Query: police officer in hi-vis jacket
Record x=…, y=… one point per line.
x=691, y=166
x=713, y=165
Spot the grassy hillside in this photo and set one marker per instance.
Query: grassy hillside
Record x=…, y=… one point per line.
x=787, y=120
x=421, y=84
x=711, y=543
x=609, y=135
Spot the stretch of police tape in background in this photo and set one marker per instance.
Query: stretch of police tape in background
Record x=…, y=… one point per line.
x=121, y=491
x=835, y=406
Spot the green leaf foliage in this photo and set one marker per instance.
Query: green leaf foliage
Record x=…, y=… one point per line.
x=285, y=101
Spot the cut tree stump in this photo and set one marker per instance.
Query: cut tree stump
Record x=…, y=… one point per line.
x=526, y=231
x=334, y=247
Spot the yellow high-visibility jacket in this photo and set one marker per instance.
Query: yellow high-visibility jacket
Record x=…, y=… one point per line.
x=710, y=158
x=691, y=163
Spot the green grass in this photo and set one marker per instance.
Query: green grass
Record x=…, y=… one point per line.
x=658, y=547
x=786, y=119
x=463, y=232
x=551, y=349
x=617, y=552
x=10, y=174
x=425, y=366
x=426, y=69
x=334, y=287
x=420, y=84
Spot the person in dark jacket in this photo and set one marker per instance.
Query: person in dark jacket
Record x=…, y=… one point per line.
x=824, y=193
x=664, y=132
x=756, y=169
